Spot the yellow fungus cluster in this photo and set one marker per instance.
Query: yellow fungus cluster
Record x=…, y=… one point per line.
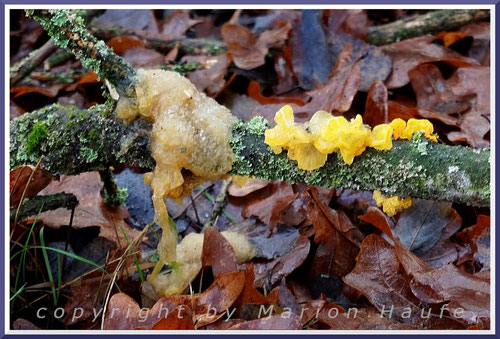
x=310, y=143
x=391, y=205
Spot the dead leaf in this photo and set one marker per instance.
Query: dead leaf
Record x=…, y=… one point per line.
x=269, y=209
x=378, y=276
x=177, y=24
x=270, y=272
x=335, y=96
x=15, y=111
x=141, y=57
x=364, y=319
x=211, y=77
x=374, y=64
x=275, y=322
x=132, y=19
x=475, y=123
x=254, y=92
x=335, y=256
x=121, y=43
x=218, y=253
x=376, y=107
x=434, y=93
x=249, y=52
x=444, y=251
x=250, y=187
x=217, y=299
x=472, y=237
x=178, y=319
x=325, y=217
x=82, y=302
x=480, y=49
x=91, y=210
x=283, y=298
x=49, y=91
x=23, y=324
x=19, y=178
x=420, y=226
x=410, y=53
x=124, y=313
x=469, y=295
x=378, y=219
x=171, y=56
x=249, y=294
x=449, y=38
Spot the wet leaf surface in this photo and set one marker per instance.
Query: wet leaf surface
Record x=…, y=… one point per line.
x=91, y=209
x=24, y=182
x=378, y=276
x=421, y=225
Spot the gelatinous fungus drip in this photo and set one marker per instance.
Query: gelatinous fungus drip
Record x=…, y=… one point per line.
x=189, y=142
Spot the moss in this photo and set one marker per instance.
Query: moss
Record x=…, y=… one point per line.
x=36, y=137
x=117, y=199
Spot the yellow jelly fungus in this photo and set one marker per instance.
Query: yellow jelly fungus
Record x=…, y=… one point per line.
x=296, y=139
x=419, y=125
x=391, y=205
x=398, y=125
x=380, y=138
x=241, y=180
x=310, y=143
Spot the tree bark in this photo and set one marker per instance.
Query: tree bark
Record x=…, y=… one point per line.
x=429, y=23
x=89, y=140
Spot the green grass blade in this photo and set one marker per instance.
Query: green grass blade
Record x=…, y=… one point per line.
x=228, y=216
x=14, y=296
x=133, y=253
x=47, y=264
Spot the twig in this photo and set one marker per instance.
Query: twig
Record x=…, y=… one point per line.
x=219, y=203
x=68, y=30
x=32, y=61
x=196, y=196
x=429, y=23
x=45, y=203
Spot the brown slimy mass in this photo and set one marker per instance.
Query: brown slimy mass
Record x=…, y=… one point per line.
x=189, y=142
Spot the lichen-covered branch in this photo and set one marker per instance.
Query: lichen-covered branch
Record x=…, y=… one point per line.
x=158, y=42
x=42, y=203
x=419, y=168
x=35, y=58
x=31, y=61
x=429, y=23
x=68, y=31
x=75, y=141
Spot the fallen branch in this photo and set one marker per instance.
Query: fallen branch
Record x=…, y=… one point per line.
x=159, y=43
x=77, y=141
x=32, y=61
x=37, y=57
x=87, y=140
x=68, y=31
x=429, y=23
x=42, y=203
